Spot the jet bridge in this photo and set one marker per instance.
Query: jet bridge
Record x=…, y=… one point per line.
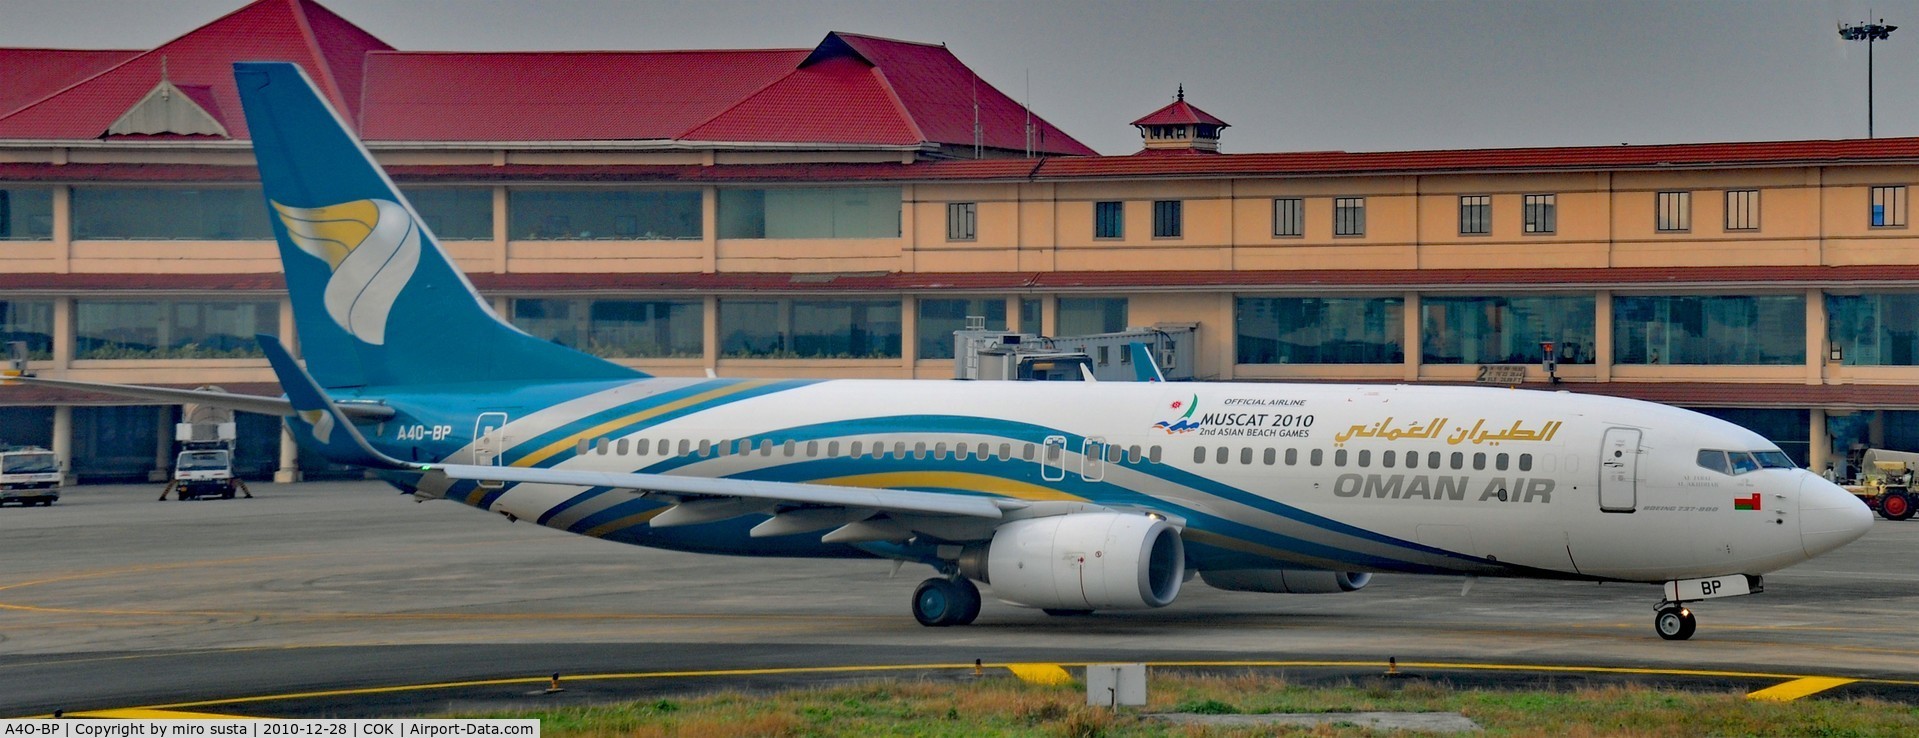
x=1002, y=355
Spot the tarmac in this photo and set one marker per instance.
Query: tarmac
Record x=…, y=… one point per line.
x=348, y=599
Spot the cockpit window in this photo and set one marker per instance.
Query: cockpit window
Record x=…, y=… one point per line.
x=1740, y=462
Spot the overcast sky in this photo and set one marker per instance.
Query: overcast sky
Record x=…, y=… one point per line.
x=1288, y=75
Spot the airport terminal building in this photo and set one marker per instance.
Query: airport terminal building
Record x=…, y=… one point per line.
x=838, y=211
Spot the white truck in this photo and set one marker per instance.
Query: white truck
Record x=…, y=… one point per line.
x=29, y=475
x=204, y=467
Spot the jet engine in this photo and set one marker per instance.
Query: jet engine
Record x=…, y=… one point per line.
x=1082, y=561
x=1286, y=581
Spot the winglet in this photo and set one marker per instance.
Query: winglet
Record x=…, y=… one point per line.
x=324, y=421
x=1145, y=369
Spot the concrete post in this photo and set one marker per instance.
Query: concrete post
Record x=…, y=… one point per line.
x=1602, y=336
x=289, y=471
x=1409, y=318
x=1821, y=451
x=63, y=439
x=162, y=444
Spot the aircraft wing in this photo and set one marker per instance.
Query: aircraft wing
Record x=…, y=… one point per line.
x=263, y=405
x=852, y=498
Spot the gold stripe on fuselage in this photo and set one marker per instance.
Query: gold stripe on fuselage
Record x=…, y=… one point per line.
x=573, y=440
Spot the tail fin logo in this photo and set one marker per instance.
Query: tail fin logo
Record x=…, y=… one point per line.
x=372, y=247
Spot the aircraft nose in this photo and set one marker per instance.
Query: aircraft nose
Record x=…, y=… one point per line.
x=1829, y=517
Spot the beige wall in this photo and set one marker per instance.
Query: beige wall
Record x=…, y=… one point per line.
x=1808, y=216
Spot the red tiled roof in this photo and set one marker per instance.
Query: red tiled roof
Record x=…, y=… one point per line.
x=27, y=75
x=537, y=96
x=1179, y=113
x=936, y=90
x=832, y=101
x=848, y=90
x=265, y=30
x=1773, y=153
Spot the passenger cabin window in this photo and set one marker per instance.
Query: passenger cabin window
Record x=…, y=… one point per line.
x=1339, y=457
x=620, y=448
x=1365, y=458
x=1152, y=454
x=1199, y=454
x=1525, y=462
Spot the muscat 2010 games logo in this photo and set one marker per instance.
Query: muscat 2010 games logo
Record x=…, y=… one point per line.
x=1184, y=423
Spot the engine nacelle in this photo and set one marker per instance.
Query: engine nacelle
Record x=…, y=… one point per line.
x=1082, y=561
x=1286, y=581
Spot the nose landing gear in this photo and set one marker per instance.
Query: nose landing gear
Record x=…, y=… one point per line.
x=1674, y=622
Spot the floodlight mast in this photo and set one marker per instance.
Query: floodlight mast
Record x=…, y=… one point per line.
x=1868, y=32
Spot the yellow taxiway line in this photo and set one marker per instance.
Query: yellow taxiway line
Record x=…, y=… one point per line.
x=1798, y=688
x=1050, y=673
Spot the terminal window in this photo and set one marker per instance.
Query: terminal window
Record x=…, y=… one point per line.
x=1349, y=216
x=1742, y=210
x=962, y=220
x=1542, y=213
x=1889, y=207
x=1289, y=216
x=1475, y=214
x=1167, y=219
x=1674, y=211
x=1109, y=220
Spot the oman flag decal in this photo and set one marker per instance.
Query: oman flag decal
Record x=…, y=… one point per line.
x=1746, y=503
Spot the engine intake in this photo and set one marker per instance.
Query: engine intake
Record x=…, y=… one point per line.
x=1082, y=561
x=1287, y=581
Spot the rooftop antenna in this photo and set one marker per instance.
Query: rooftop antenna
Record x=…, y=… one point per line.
x=979, y=136
x=1029, y=113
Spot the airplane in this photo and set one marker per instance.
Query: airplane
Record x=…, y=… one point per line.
x=1070, y=497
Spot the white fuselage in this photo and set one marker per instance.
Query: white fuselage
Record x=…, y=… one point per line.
x=1453, y=480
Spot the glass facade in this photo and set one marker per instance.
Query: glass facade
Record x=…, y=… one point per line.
x=810, y=212
x=170, y=213
x=810, y=329
x=617, y=329
x=1874, y=330
x=29, y=321
x=117, y=329
x=1080, y=316
x=1700, y=329
x=454, y=213
x=1505, y=330
x=26, y=213
x=1029, y=314
x=940, y=317
x=603, y=215
x=1319, y=330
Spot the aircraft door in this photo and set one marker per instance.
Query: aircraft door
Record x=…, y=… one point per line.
x=1092, y=459
x=1052, y=461
x=1619, y=470
x=489, y=441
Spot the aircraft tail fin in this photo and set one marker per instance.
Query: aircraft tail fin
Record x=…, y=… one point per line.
x=1145, y=368
x=375, y=299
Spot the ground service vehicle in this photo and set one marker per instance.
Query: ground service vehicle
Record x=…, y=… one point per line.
x=204, y=467
x=1885, y=482
x=29, y=475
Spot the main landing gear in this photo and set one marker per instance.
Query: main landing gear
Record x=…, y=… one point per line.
x=939, y=602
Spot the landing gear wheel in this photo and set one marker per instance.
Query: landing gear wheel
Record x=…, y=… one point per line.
x=1895, y=506
x=1674, y=623
x=971, y=599
x=1060, y=612
x=939, y=602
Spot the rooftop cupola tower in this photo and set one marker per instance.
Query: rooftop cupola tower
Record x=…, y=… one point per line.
x=1180, y=127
